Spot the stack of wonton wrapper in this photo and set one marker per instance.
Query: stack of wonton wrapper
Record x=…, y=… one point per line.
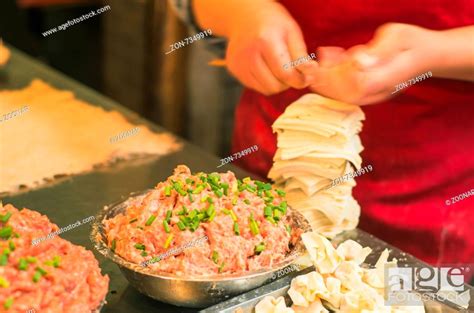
x=318, y=142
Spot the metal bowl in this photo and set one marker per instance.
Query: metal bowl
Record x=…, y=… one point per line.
x=187, y=292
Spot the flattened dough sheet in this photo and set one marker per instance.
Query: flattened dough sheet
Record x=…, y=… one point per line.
x=59, y=134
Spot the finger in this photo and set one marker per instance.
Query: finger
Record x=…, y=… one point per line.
x=296, y=44
x=243, y=73
x=375, y=98
x=265, y=77
x=278, y=59
x=362, y=59
x=298, y=49
x=331, y=56
x=380, y=50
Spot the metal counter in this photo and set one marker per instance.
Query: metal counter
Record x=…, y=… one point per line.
x=77, y=197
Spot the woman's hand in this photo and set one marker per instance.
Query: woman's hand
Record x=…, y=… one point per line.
x=368, y=73
x=261, y=48
x=263, y=38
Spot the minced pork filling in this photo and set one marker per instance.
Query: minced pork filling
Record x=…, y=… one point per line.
x=54, y=276
x=204, y=224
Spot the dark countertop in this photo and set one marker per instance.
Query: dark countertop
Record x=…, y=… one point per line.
x=77, y=197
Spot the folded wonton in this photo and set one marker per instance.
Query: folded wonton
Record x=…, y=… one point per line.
x=339, y=283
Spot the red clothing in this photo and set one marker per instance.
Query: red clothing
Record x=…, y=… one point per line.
x=420, y=143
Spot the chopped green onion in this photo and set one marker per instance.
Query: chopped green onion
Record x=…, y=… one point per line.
x=234, y=201
x=268, y=200
x=210, y=209
x=251, y=188
x=184, y=220
x=6, y=251
x=281, y=192
x=218, y=193
x=221, y=267
x=267, y=211
x=194, y=225
x=225, y=187
x=270, y=219
x=54, y=262
x=247, y=201
x=168, y=191
x=144, y=253
x=246, y=180
x=168, y=241
x=6, y=217
x=288, y=229
x=8, y=303
x=139, y=246
x=177, y=185
x=214, y=177
x=184, y=211
x=269, y=194
x=190, y=195
x=215, y=256
x=232, y=214
x=181, y=226
x=22, y=264
x=166, y=226
x=32, y=259
x=193, y=214
x=225, y=211
x=283, y=207
x=133, y=220
x=6, y=232
x=236, y=229
x=3, y=259
x=204, y=199
x=198, y=189
x=150, y=220
x=168, y=215
x=253, y=226
x=189, y=181
x=211, y=217
x=276, y=214
x=242, y=187
x=259, y=193
x=4, y=283
x=201, y=216
x=155, y=259
x=36, y=277
x=259, y=248
x=267, y=186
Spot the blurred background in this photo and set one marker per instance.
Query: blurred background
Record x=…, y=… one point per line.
x=121, y=53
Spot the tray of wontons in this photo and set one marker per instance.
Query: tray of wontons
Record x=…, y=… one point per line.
x=345, y=275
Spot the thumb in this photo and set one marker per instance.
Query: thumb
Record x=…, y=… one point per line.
x=379, y=51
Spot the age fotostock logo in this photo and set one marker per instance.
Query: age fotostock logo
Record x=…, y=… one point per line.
x=405, y=286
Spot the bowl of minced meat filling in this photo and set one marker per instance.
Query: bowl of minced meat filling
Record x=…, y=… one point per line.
x=196, y=239
x=53, y=276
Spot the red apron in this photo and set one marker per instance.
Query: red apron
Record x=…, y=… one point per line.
x=420, y=144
